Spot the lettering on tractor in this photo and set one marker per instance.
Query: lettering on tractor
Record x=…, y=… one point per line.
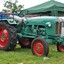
x=34, y=33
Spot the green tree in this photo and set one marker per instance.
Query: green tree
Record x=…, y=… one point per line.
x=12, y=7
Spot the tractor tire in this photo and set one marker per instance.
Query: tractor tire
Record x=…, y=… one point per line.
x=7, y=37
x=39, y=47
x=60, y=47
x=25, y=43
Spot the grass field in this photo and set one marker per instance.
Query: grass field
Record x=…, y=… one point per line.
x=24, y=56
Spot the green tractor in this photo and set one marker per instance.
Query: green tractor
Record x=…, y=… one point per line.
x=34, y=33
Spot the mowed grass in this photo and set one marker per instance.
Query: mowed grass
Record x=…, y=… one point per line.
x=24, y=56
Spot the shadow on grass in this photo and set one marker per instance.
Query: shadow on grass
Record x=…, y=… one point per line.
x=22, y=50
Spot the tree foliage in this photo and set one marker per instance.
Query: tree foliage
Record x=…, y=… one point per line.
x=12, y=7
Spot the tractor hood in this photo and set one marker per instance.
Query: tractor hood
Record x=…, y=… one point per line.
x=41, y=20
x=48, y=22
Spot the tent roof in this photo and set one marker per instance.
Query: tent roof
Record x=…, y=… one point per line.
x=47, y=6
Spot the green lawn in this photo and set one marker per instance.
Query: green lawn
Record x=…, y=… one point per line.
x=24, y=56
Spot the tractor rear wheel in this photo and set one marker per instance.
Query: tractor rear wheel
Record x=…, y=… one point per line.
x=39, y=47
x=25, y=43
x=7, y=37
x=60, y=47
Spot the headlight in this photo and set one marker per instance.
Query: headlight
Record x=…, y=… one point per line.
x=48, y=24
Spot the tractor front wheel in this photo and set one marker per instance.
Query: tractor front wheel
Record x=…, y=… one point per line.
x=60, y=47
x=7, y=37
x=39, y=47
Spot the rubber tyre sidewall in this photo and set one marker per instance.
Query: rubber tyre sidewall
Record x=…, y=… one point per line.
x=44, y=43
x=58, y=49
x=10, y=37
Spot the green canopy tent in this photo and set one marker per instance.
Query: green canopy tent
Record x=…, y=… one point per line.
x=50, y=8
